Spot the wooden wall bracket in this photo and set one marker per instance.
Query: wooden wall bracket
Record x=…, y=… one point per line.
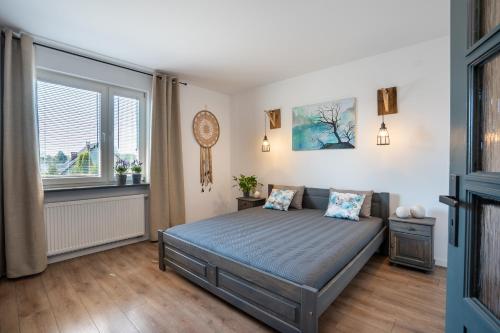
x=274, y=118
x=387, y=101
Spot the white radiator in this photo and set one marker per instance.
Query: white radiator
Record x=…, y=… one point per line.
x=74, y=225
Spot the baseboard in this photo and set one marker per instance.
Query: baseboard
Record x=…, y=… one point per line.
x=104, y=247
x=99, y=248
x=441, y=262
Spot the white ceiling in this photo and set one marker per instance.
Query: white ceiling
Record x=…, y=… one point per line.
x=232, y=45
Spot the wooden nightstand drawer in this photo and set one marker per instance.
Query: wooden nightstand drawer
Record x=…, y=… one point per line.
x=415, y=229
x=244, y=204
x=249, y=202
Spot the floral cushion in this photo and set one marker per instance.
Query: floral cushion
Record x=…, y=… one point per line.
x=279, y=199
x=345, y=205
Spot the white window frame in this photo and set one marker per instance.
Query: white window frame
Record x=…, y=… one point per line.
x=108, y=91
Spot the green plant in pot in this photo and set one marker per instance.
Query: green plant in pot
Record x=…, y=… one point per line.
x=121, y=168
x=136, y=168
x=246, y=184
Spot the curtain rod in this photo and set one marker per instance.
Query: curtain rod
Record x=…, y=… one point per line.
x=101, y=61
x=94, y=59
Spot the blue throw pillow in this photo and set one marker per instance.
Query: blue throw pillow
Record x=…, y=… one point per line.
x=279, y=199
x=345, y=205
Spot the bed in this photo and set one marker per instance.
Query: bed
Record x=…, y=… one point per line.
x=283, y=268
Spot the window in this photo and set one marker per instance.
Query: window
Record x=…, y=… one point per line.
x=84, y=127
x=126, y=117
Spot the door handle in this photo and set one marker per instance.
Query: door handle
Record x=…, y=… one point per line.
x=448, y=200
x=453, y=218
x=452, y=201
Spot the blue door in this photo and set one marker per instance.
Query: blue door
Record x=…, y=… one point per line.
x=473, y=283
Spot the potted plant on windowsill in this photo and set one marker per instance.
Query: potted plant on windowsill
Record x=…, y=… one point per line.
x=121, y=168
x=136, y=168
x=246, y=184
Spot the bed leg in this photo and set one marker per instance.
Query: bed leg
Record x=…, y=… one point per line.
x=308, y=313
x=161, y=251
x=384, y=248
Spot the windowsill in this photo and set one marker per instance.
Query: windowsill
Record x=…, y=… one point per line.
x=92, y=187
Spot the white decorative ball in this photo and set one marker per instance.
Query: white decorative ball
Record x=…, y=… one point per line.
x=417, y=211
x=402, y=212
x=256, y=194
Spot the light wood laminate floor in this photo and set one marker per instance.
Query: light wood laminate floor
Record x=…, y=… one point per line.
x=122, y=290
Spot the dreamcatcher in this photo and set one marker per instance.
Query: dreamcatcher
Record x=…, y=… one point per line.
x=206, y=132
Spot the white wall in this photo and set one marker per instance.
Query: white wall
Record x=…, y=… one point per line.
x=218, y=201
x=414, y=168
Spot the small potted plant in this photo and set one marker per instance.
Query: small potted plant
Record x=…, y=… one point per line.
x=136, y=168
x=121, y=168
x=246, y=184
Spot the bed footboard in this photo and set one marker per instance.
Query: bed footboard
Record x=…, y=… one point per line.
x=281, y=304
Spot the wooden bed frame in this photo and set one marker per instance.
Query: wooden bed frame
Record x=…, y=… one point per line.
x=284, y=305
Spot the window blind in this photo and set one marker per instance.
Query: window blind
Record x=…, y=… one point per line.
x=126, y=128
x=69, y=127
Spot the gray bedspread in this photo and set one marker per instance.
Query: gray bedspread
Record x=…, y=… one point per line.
x=301, y=246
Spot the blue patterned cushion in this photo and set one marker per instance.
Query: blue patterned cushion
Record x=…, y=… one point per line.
x=279, y=199
x=344, y=205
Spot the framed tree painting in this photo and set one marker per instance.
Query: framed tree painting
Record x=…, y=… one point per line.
x=330, y=125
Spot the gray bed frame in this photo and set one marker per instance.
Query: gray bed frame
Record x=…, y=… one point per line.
x=284, y=305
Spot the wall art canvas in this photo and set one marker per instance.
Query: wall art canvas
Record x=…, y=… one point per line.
x=330, y=125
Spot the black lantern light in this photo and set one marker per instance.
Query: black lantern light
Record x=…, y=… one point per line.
x=383, y=135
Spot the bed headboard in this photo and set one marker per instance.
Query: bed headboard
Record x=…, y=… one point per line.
x=317, y=198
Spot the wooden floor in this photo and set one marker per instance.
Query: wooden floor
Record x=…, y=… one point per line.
x=122, y=290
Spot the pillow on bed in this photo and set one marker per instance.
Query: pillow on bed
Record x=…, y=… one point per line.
x=297, y=198
x=366, y=207
x=344, y=205
x=279, y=199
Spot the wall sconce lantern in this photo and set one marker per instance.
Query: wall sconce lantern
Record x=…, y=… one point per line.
x=266, y=146
x=274, y=122
x=387, y=104
x=383, y=135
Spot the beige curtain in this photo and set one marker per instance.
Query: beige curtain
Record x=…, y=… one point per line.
x=24, y=248
x=167, y=181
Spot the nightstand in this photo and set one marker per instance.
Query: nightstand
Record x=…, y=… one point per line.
x=249, y=202
x=412, y=242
